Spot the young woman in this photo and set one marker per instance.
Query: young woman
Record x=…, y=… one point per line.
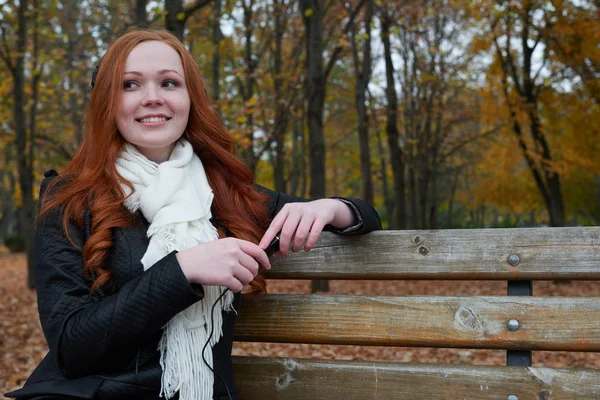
x=176, y=226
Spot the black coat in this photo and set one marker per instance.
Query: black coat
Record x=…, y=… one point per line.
x=107, y=348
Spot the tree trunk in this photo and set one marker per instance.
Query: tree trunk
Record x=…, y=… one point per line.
x=216, y=61
x=175, y=17
x=141, y=17
x=423, y=182
x=281, y=112
x=303, y=155
x=412, y=195
x=393, y=136
x=26, y=215
x=295, y=170
x=388, y=201
x=72, y=58
x=315, y=96
x=8, y=219
x=432, y=221
x=362, y=73
x=315, y=93
x=452, y=197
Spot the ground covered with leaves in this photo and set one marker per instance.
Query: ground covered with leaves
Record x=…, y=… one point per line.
x=22, y=343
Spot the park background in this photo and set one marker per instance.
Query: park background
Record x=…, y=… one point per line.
x=442, y=114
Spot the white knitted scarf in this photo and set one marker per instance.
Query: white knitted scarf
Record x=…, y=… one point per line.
x=175, y=198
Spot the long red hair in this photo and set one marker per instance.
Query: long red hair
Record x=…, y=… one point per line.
x=92, y=181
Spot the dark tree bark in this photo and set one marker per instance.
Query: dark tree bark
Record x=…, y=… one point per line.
x=398, y=220
x=73, y=54
x=410, y=92
x=175, y=17
x=298, y=173
x=216, y=61
x=454, y=188
x=295, y=170
x=315, y=97
x=247, y=154
x=8, y=221
x=362, y=73
x=315, y=93
x=27, y=213
x=16, y=65
x=281, y=111
x=388, y=199
x=315, y=86
x=141, y=16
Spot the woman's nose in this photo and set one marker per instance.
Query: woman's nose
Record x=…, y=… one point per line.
x=152, y=95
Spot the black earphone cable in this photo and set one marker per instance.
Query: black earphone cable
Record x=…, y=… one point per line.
x=212, y=327
x=212, y=310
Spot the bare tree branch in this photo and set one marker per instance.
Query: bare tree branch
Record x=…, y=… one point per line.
x=468, y=140
x=338, y=49
x=57, y=146
x=5, y=52
x=199, y=4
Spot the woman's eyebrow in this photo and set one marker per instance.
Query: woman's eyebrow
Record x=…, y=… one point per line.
x=161, y=72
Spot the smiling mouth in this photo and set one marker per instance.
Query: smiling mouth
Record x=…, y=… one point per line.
x=150, y=120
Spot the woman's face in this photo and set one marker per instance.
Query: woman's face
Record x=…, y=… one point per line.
x=155, y=108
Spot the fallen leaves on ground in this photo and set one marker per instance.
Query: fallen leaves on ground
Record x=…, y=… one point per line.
x=22, y=343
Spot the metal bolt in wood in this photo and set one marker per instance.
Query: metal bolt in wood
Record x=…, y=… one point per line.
x=512, y=325
x=513, y=260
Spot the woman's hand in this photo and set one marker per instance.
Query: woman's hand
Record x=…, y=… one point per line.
x=224, y=262
x=304, y=222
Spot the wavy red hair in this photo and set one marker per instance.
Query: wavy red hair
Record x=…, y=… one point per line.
x=93, y=181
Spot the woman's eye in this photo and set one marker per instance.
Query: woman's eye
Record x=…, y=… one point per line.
x=130, y=85
x=169, y=84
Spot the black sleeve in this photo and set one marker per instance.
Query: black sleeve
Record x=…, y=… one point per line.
x=366, y=216
x=87, y=335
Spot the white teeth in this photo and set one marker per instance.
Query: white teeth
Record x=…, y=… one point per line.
x=153, y=119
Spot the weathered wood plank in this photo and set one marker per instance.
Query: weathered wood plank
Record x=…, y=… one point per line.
x=550, y=323
x=299, y=379
x=544, y=253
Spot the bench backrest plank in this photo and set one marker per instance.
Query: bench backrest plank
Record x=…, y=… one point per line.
x=260, y=378
x=482, y=254
x=430, y=321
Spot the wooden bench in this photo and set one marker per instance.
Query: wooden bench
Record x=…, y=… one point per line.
x=517, y=323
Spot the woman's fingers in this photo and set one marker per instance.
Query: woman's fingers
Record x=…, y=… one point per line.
x=227, y=262
x=315, y=232
x=302, y=232
x=274, y=227
x=299, y=224
x=256, y=253
x=249, y=263
x=288, y=230
x=234, y=284
x=244, y=275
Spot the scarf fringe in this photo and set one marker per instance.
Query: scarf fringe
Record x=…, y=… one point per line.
x=181, y=350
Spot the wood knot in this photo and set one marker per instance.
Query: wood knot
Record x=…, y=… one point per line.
x=423, y=250
x=544, y=395
x=417, y=240
x=466, y=318
x=284, y=381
